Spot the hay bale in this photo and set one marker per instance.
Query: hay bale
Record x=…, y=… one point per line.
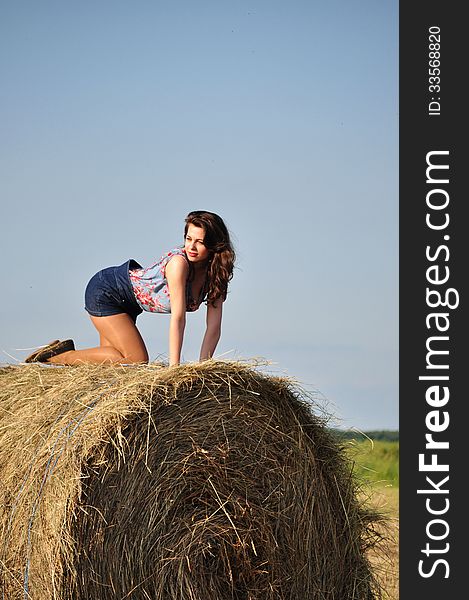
x=206, y=481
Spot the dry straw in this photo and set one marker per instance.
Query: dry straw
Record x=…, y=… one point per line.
x=207, y=481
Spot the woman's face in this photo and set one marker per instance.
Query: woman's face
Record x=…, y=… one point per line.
x=194, y=244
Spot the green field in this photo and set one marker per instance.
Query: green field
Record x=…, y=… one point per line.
x=376, y=466
x=375, y=461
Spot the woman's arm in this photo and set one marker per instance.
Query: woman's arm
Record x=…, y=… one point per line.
x=213, y=330
x=176, y=274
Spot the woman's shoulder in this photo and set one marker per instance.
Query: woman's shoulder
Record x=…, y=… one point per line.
x=167, y=256
x=176, y=260
x=176, y=253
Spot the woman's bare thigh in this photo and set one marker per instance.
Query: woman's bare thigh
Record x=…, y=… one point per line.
x=120, y=332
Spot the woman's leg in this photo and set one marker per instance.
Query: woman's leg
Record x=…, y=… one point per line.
x=120, y=343
x=104, y=341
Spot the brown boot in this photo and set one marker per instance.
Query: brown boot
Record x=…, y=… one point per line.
x=52, y=349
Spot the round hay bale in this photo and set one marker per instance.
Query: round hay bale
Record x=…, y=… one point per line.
x=208, y=481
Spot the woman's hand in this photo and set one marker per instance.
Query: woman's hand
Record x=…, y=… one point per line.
x=213, y=330
x=177, y=271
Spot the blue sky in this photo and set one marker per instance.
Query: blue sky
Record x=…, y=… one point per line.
x=118, y=118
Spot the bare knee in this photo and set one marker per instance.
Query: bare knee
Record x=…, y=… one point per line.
x=131, y=358
x=120, y=339
x=114, y=356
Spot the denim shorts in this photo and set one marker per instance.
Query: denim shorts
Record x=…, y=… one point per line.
x=110, y=292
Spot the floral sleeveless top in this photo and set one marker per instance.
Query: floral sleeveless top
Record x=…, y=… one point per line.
x=150, y=286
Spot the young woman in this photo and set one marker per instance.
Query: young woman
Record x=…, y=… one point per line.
x=178, y=283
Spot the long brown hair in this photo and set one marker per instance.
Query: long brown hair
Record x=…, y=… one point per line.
x=222, y=254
